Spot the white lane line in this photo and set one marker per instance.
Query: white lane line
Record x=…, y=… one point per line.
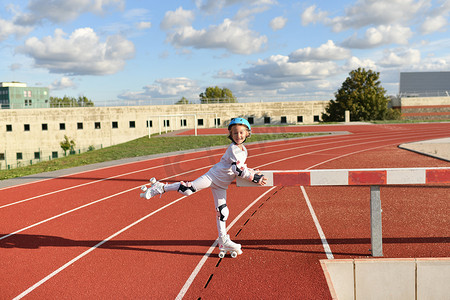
x=199, y=266
x=187, y=160
x=97, y=181
x=86, y=205
x=328, y=252
x=326, y=246
x=49, y=276
x=160, y=166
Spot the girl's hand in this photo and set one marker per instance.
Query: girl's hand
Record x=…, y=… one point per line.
x=259, y=178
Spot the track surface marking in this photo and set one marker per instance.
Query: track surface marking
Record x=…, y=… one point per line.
x=88, y=235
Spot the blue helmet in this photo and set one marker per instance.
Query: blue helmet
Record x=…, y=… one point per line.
x=240, y=121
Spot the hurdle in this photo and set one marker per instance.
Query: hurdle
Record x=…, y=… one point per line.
x=357, y=177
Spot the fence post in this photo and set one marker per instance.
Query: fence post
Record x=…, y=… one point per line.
x=376, y=234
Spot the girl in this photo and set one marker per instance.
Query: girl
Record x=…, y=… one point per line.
x=218, y=178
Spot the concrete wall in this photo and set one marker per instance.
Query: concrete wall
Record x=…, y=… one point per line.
x=424, y=108
x=395, y=278
x=40, y=131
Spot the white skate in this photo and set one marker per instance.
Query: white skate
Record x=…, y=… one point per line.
x=227, y=245
x=156, y=188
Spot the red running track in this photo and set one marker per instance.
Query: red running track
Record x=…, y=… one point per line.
x=89, y=235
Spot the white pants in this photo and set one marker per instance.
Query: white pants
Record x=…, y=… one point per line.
x=219, y=195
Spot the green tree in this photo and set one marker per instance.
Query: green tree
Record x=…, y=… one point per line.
x=81, y=101
x=67, y=144
x=84, y=102
x=217, y=95
x=183, y=100
x=361, y=94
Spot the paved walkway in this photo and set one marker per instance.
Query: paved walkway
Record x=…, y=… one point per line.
x=438, y=148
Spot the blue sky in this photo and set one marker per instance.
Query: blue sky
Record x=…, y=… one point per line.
x=142, y=52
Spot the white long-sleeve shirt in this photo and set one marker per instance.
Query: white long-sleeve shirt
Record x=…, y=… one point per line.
x=230, y=165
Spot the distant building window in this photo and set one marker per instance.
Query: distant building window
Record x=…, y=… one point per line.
x=132, y=124
x=216, y=121
x=8, y=127
x=54, y=154
x=79, y=125
x=19, y=156
x=2, y=156
x=266, y=120
x=62, y=126
x=37, y=155
x=183, y=122
x=283, y=120
x=149, y=123
x=251, y=120
x=44, y=127
x=316, y=118
x=97, y=125
x=115, y=124
x=26, y=127
x=166, y=123
x=200, y=122
x=299, y=119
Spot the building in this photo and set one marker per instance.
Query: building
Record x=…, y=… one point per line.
x=16, y=95
x=32, y=135
x=424, y=95
x=424, y=84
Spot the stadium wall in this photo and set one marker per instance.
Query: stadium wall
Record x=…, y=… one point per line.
x=424, y=108
x=31, y=135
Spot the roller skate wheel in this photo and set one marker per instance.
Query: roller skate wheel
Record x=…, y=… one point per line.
x=234, y=254
x=143, y=188
x=153, y=180
x=222, y=254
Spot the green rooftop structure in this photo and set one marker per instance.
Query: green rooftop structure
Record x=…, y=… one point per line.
x=17, y=95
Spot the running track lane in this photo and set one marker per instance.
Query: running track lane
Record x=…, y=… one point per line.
x=165, y=247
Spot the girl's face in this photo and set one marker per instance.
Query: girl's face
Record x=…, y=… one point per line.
x=239, y=133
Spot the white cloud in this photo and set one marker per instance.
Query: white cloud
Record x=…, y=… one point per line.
x=279, y=69
x=62, y=83
x=381, y=35
x=310, y=15
x=229, y=74
x=327, y=51
x=176, y=19
x=380, y=12
x=400, y=57
x=355, y=63
x=433, y=24
x=278, y=23
x=165, y=88
x=143, y=25
x=232, y=36
x=437, y=19
x=58, y=11
x=8, y=28
x=82, y=53
x=215, y=6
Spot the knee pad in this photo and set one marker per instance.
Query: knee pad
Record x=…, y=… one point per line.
x=186, y=188
x=222, y=212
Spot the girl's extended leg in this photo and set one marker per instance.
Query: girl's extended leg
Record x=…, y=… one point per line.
x=188, y=188
x=185, y=188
